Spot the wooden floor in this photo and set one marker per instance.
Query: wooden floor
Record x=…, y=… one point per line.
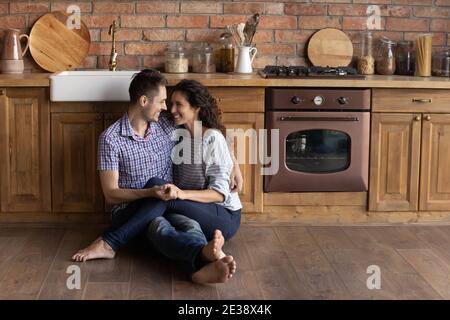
x=273, y=263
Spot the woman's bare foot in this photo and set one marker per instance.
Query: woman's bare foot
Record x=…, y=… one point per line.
x=96, y=250
x=213, y=250
x=216, y=272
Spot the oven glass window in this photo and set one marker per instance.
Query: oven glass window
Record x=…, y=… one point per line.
x=318, y=151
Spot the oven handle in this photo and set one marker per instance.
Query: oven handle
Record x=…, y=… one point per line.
x=353, y=119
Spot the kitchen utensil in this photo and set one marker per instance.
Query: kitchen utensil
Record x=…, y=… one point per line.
x=330, y=47
x=240, y=29
x=12, y=49
x=250, y=29
x=54, y=46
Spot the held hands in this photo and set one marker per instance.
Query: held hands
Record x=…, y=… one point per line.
x=168, y=192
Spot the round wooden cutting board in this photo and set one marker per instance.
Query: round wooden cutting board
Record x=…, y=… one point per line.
x=54, y=46
x=330, y=48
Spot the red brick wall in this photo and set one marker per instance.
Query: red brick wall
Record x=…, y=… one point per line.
x=147, y=26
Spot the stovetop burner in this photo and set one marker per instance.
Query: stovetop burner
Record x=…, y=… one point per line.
x=305, y=72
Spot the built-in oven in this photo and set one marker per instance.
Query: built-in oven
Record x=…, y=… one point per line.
x=323, y=142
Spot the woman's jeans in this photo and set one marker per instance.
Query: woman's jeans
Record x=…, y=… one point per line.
x=176, y=244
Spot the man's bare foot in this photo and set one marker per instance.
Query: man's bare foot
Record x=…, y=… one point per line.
x=215, y=272
x=96, y=250
x=213, y=250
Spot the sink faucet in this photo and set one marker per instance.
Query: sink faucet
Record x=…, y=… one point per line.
x=112, y=59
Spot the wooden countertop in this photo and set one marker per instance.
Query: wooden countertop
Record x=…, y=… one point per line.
x=25, y=80
x=255, y=80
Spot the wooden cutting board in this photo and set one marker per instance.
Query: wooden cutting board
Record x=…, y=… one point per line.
x=54, y=46
x=330, y=47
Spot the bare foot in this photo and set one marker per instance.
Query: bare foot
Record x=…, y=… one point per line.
x=215, y=272
x=96, y=250
x=213, y=250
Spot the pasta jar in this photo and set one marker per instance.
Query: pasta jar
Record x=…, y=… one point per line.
x=176, y=60
x=203, y=60
x=365, y=60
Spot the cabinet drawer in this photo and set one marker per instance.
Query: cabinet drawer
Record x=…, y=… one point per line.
x=410, y=100
x=239, y=99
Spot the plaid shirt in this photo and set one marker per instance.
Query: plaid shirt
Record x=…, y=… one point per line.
x=137, y=159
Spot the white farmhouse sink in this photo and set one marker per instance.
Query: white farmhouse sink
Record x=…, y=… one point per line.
x=99, y=85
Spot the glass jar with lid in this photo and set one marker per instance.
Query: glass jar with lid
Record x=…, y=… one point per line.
x=385, y=59
x=203, y=59
x=365, y=60
x=227, y=53
x=441, y=63
x=176, y=60
x=405, y=58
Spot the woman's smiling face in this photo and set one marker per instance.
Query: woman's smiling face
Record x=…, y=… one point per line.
x=182, y=112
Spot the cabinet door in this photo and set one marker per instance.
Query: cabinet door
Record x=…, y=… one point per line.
x=252, y=193
x=394, y=162
x=435, y=165
x=75, y=180
x=25, y=148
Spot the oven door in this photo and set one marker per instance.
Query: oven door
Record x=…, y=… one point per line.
x=320, y=151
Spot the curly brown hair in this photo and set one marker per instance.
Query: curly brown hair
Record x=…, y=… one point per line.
x=198, y=96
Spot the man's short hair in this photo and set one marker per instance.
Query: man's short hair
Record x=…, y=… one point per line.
x=146, y=83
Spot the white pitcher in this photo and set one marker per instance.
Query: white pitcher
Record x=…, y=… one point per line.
x=245, y=59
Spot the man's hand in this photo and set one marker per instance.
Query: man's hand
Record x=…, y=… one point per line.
x=165, y=192
x=169, y=192
x=236, y=180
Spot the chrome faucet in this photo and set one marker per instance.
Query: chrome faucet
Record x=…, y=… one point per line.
x=112, y=59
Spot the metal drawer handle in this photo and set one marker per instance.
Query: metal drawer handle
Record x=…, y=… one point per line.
x=421, y=100
x=319, y=119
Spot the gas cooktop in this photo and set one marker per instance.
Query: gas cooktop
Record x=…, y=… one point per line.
x=298, y=72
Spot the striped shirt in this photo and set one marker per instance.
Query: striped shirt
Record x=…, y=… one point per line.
x=208, y=166
x=137, y=158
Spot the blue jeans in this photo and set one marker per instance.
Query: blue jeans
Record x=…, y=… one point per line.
x=178, y=238
x=173, y=235
x=140, y=213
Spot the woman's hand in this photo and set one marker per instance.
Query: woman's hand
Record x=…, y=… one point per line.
x=236, y=180
x=165, y=192
x=173, y=192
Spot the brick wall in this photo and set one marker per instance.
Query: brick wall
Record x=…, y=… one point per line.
x=146, y=27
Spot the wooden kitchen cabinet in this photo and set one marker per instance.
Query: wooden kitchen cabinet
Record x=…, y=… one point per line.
x=25, y=150
x=435, y=166
x=408, y=151
x=252, y=194
x=75, y=180
x=410, y=148
x=394, y=162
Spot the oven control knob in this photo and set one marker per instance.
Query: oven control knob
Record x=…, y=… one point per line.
x=342, y=100
x=318, y=100
x=296, y=100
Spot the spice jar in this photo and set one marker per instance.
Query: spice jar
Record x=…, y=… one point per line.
x=405, y=58
x=441, y=63
x=176, y=60
x=365, y=60
x=385, y=60
x=203, y=60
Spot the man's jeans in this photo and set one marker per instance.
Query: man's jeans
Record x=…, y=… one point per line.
x=173, y=235
x=210, y=216
x=178, y=238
